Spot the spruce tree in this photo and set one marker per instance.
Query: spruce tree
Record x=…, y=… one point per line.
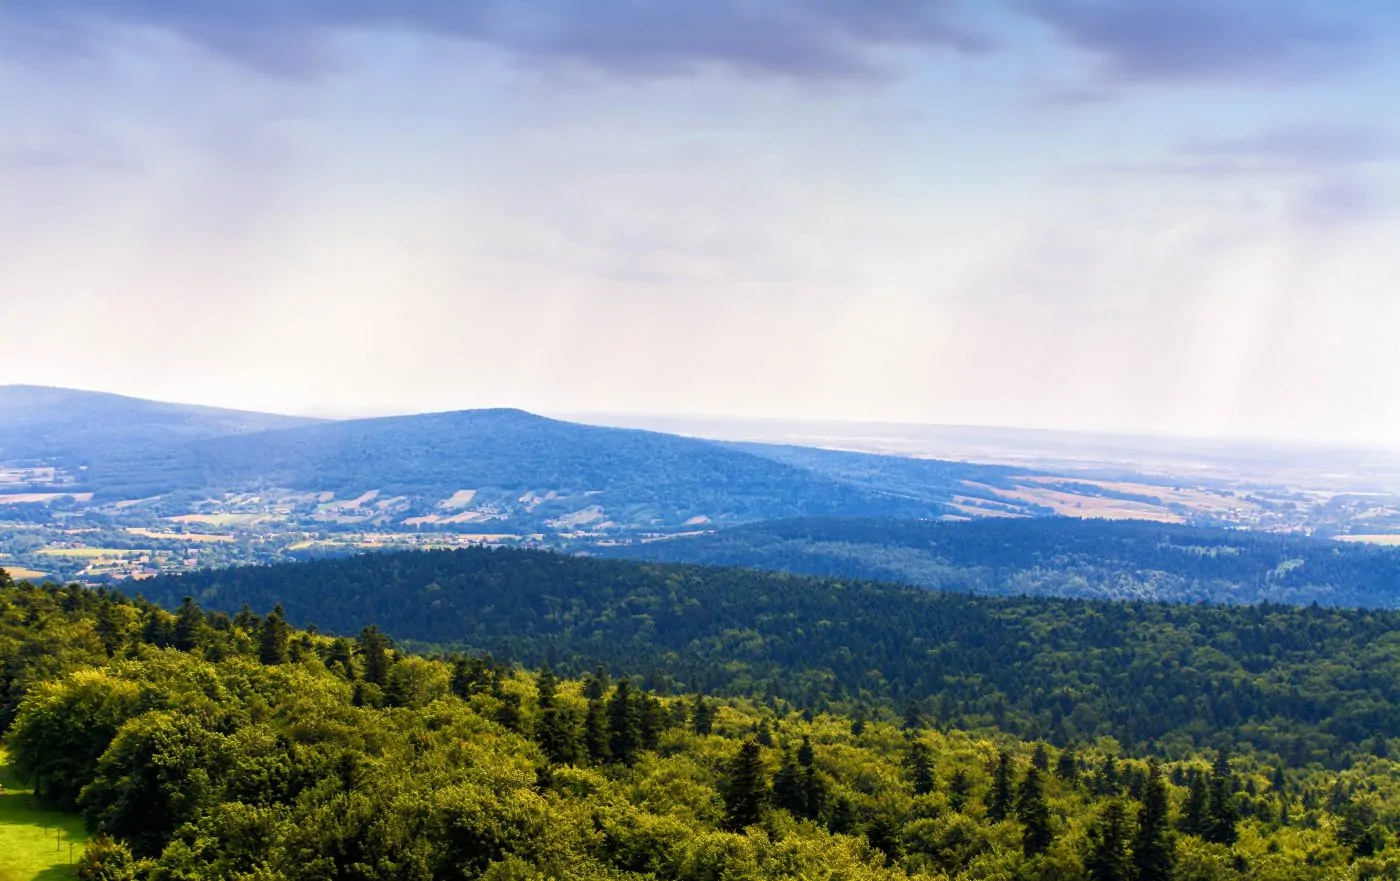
x=1034, y=814
x=1108, y=846
x=702, y=717
x=596, y=737
x=624, y=724
x=1000, y=800
x=189, y=626
x=1194, y=814
x=920, y=765
x=789, y=786
x=959, y=788
x=1040, y=759
x=1153, y=850
x=1222, y=813
x=374, y=649
x=272, y=639
x=1067, y=766
x=746, y=788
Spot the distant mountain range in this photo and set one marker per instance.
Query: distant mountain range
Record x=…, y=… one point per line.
x=508, y=468
x=494, y=473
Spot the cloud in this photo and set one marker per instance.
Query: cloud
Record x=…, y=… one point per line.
x=1246, y=42
x=832, y=39
x=1302, y=147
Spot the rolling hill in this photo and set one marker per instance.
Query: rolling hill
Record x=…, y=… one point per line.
x=72, y=429
x=1055, y=556
x=1297, y=680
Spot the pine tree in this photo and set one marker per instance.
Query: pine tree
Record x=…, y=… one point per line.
x=1000, y=801
x=272, y=639
x=746, y=789
x=920, y=765
x=653, y=719
x=596, y=737
x=624, y=724
x=1222, y=813
x=1108, y=846
x=374, y=648
x=913, y=716
x=1153, y=850
x=109, y=625
x=1034, y=814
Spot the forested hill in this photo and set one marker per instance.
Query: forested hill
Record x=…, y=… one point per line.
x=1312, y=684
x=204, y=746
x=71, y=428
x=1055, y=556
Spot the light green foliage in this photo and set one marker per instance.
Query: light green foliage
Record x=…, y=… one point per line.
x=211, y=763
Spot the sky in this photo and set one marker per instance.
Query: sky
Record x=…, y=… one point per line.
x=1151, y=216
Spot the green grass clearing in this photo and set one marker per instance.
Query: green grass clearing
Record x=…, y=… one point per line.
x=34, y=843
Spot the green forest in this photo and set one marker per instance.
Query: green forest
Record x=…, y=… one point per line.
x=1308, y=684
x=1054, y=556
x=202, y=745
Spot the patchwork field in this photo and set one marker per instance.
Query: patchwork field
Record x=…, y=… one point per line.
x=19, y=573
x=39, y=498
x=35, y=844
x=1392, y=540
x=1071, y=504
x=201, y=537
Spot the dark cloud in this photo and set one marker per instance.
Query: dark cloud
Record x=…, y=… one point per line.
x=802, y=38
x=1247, y=42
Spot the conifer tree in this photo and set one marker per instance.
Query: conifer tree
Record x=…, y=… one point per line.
x=1034, y=814
x=789, y=786
x=1067, y=766
x=702, y=716
x=1153, y=850
x=1222, y=813
x=1194, y=813
x=596, y=737
x=1000, y=800
x=1040, y=759
x=746, y=788
x=959, y=788
x=555, y=732
x=1108, y=846
x=920, y=765
x=189, y=626
x=374, y=648
x=624, y=724
x=272, y=639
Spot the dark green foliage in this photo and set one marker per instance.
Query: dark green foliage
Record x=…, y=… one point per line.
x=1222, y=811
x=1067, y=765
x=1137, y=672
x=597, y=738
x=374, y=649
x=1108, y=858
x=272, y=638
x=1002, y=797
x=790, y=786
x=189, y=626
x=920, y=769
x=702, y=716
x=1153, y=851
x=746, y=795
x=1053, y=556
x=624, y=724
x=1034, y=814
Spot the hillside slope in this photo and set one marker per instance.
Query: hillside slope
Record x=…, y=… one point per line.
x=77, y=428
x=1054, y=556
x=1299, y=681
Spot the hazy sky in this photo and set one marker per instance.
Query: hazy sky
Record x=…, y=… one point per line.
x=1153, y=215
